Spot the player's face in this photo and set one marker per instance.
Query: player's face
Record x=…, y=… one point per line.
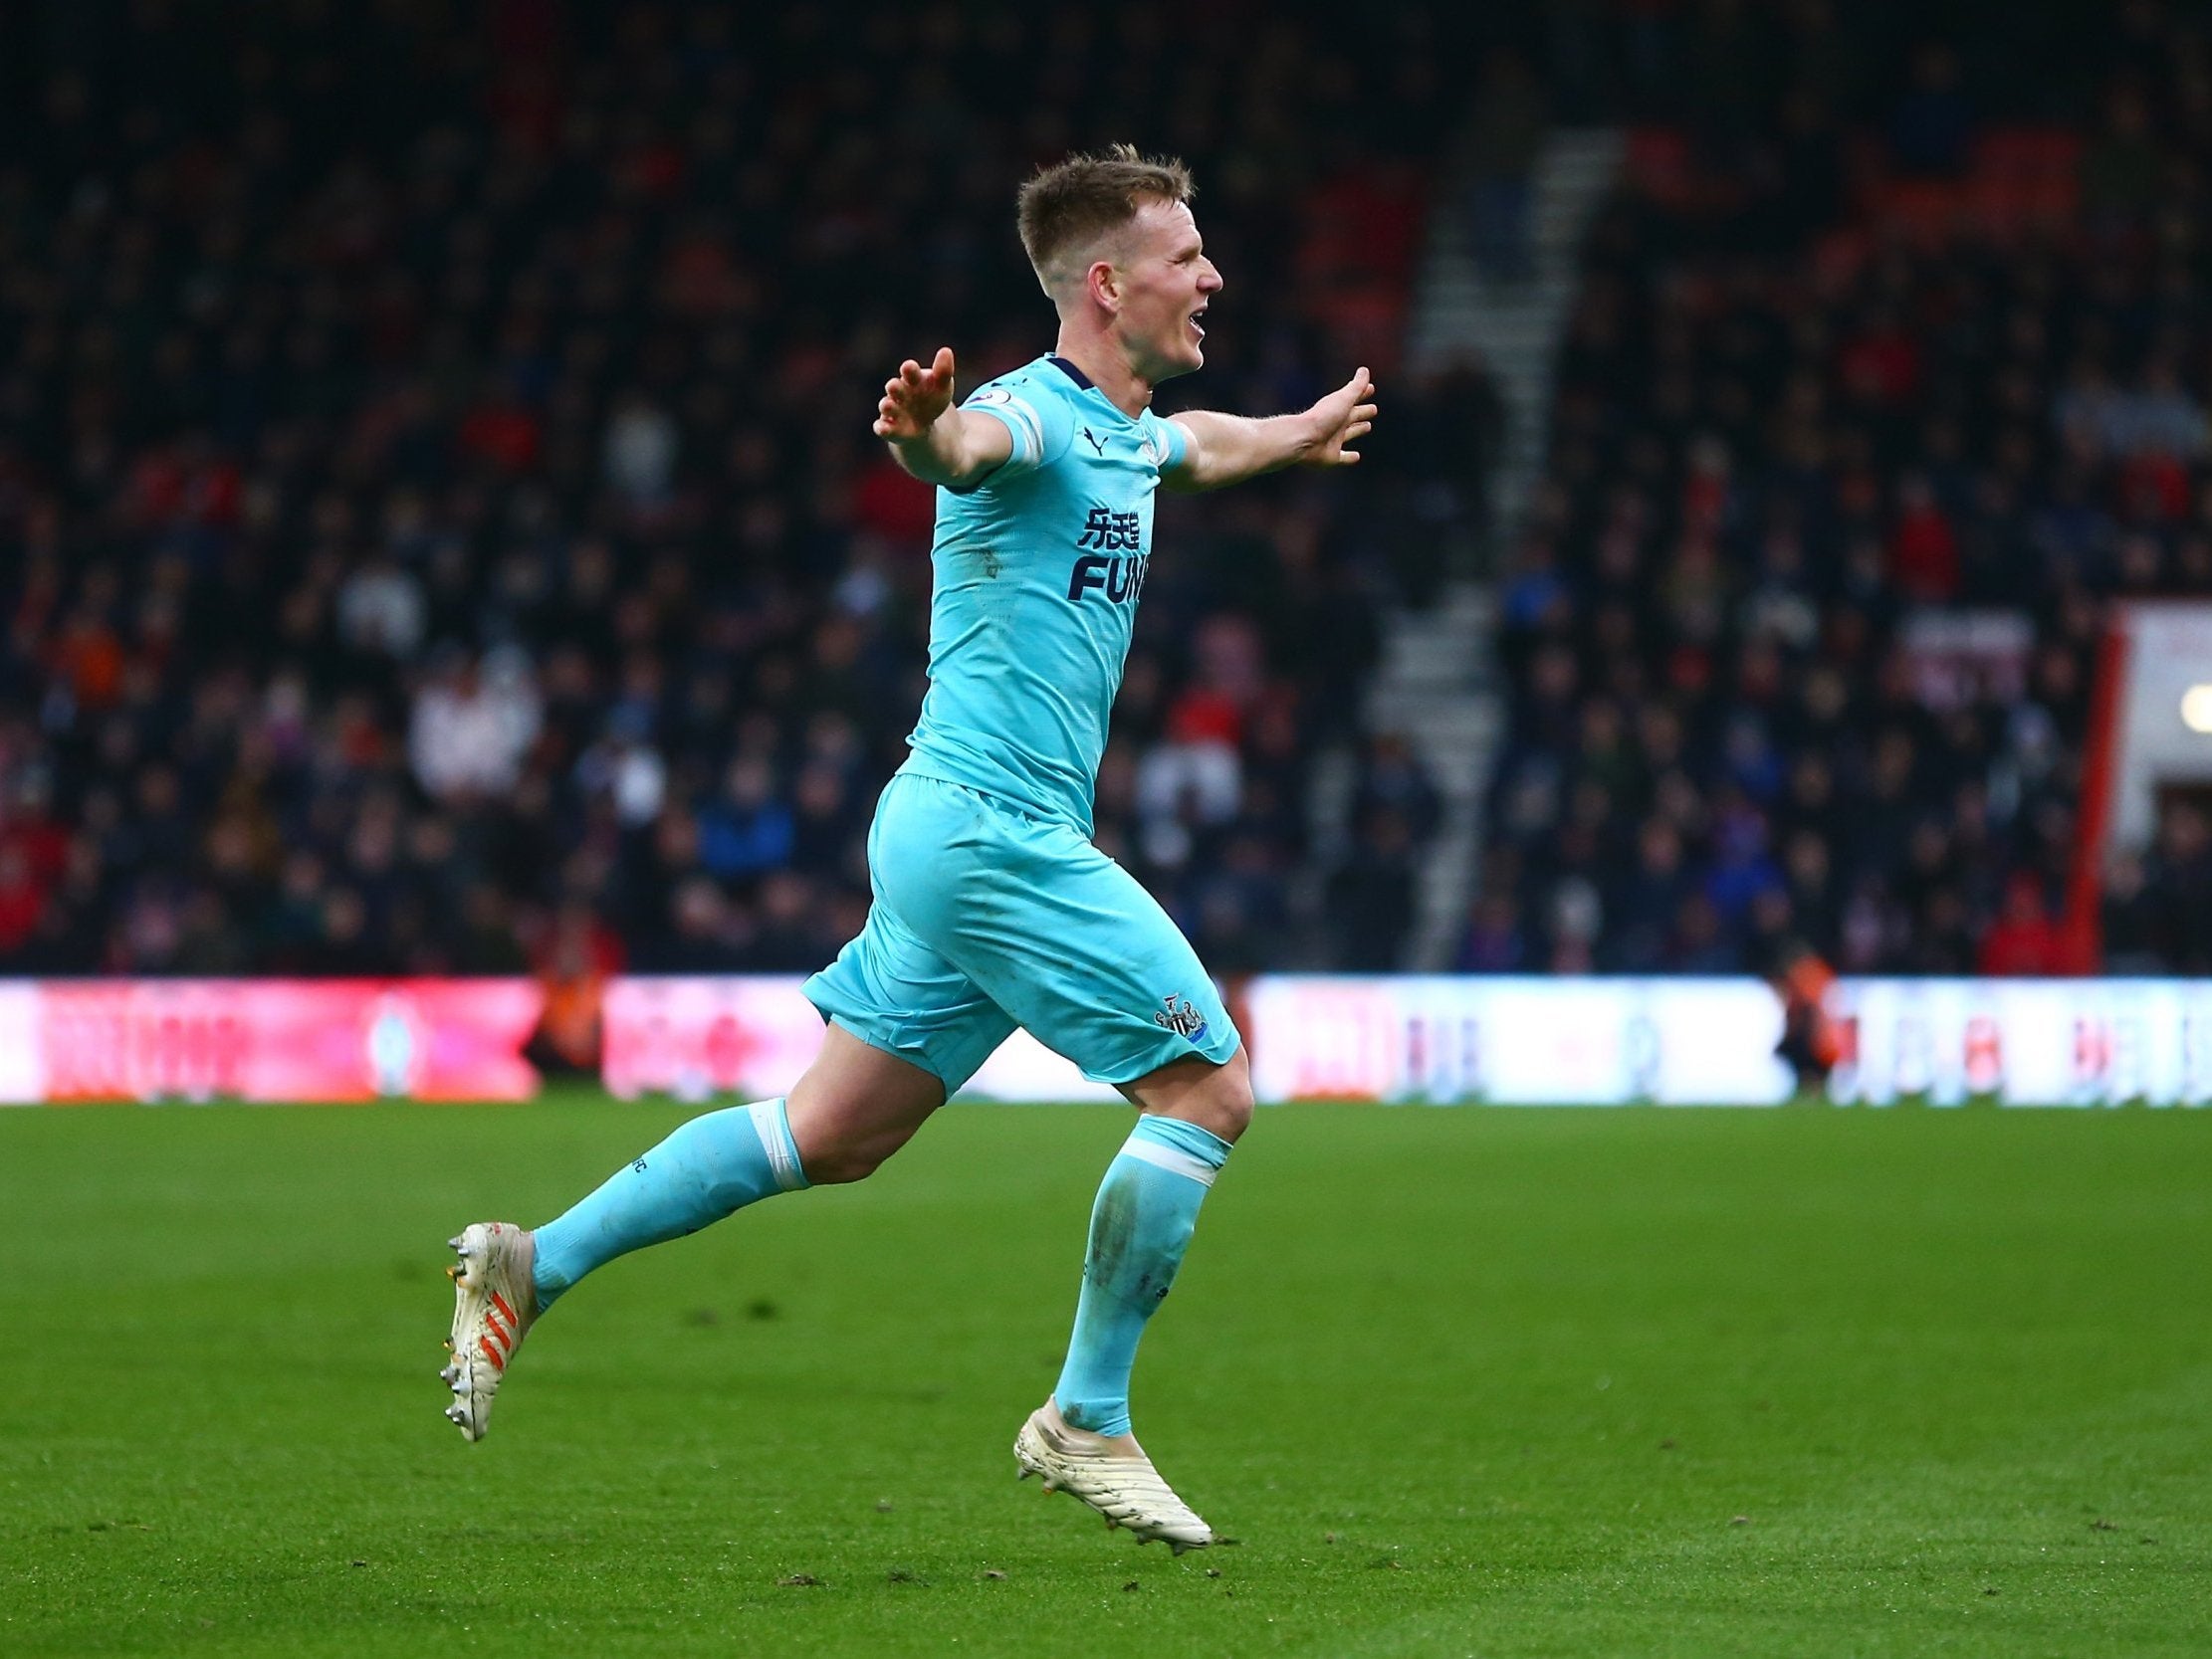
x=1166, y=281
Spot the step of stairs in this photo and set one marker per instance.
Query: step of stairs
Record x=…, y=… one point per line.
x=1437, y=682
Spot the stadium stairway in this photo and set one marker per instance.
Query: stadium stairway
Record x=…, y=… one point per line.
x=1437, y=681
x=1514, y=325
x=1436, y=685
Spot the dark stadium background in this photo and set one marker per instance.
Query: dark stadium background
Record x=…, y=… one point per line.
x=448, y=591
x=439, y=530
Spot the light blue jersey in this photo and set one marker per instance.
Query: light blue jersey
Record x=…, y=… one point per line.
x=993, y=908
x=1039, y=568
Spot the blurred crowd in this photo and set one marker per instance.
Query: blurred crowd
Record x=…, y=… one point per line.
x=1861, y=423
x=439, y=528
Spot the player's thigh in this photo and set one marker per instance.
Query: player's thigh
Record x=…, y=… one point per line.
x=856, y=1106
x=1065, y=939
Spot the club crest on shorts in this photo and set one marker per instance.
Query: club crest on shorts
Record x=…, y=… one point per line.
x=1182, y=1017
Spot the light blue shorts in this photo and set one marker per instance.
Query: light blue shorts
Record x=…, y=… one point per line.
x=986, y=919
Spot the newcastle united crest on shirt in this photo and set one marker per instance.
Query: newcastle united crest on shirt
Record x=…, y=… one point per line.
x=1181, y=1018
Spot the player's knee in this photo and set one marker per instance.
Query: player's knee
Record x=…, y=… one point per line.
x=1219, y=1099
x=841, y=1164
x=835, y=1148
x=842, y=1151
x=1227, y=1101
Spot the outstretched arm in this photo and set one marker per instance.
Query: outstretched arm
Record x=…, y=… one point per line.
x=1227, y=449
x=931, y=439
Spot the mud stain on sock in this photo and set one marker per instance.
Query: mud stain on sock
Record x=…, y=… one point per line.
x=1113, y=1231
x=1116, y=1264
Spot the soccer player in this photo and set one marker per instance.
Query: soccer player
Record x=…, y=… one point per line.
x=993, y=908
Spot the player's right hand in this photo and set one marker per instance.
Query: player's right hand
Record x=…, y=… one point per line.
x=915, y=398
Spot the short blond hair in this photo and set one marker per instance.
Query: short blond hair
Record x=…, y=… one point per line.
x=1072, y=202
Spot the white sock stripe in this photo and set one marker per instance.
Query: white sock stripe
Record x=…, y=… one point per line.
x=1169, y=1159
x=774, y=1131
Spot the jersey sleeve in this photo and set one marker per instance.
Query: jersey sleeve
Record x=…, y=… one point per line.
x=1040, y=425
x=1172, y=437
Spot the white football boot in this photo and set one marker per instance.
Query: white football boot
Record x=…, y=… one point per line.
x=1121, y=1484
x=494, y=1303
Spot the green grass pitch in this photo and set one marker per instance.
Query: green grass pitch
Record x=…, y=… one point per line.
x=1463, y=1382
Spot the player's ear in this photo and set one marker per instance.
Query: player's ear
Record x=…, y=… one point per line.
x=1104, y=285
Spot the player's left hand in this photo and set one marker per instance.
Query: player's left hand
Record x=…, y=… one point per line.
x=1341, y=418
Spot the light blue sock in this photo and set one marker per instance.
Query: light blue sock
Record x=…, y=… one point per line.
x=1146, y=1207
x=711, y=1167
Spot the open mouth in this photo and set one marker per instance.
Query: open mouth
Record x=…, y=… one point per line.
x=1197, y=322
